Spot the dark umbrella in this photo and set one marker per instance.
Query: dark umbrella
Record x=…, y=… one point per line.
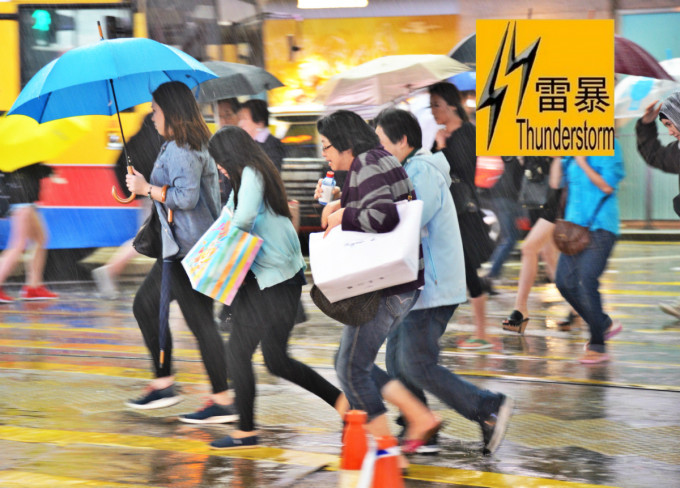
x=466, y=51
x=631, y=59
x=164, y=304
x=235, y=80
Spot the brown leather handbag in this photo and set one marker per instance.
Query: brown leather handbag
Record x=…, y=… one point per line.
x=571, y=238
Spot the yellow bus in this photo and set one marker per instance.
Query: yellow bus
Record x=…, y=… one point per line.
x=76, y=204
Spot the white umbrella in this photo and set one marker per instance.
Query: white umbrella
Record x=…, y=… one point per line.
x=387, y=79
x=635, y=93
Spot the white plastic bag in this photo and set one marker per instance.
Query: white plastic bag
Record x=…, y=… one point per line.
x=347, y=264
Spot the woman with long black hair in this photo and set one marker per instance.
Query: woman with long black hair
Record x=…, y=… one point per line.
x=266, y=304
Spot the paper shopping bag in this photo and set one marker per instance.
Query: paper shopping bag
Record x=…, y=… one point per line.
x=346, y=264
x=220, y=260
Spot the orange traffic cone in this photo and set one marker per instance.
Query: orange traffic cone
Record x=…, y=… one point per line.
x=354, y=442
x=386, y=473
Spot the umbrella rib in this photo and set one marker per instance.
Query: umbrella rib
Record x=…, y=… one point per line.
x=44, y=107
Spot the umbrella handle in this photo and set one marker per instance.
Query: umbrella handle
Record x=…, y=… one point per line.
x=114, y=193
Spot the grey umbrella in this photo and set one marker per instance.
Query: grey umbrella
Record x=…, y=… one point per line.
x=234, y=80
x=465, y=51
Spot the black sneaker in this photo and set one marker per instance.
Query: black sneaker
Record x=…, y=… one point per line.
x=211, y=413
x=156, y=399
x=495, y=425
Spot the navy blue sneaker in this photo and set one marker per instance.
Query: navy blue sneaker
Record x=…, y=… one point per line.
x=211, y=413
x=155, y=399
x=495, y=425
x=229, y=442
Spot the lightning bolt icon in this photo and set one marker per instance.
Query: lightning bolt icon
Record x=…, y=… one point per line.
x=493, y=97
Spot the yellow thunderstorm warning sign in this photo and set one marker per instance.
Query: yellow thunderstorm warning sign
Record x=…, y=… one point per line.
x=545, y=87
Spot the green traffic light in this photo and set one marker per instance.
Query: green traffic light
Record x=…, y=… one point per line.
x=43, y=20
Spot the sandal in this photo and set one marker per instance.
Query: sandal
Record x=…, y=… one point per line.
x=516, y=322
x=565, y=325
x=410, y=446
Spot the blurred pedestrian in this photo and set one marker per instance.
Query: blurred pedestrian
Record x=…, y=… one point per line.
x=142, y=148
x=505, y=202
x=227, y=111
x=457, y=140
x=26, y=226
x=666, y=158
x=592, y=183
x=375, y=182
x=266, y=303
x=184, y=181
x=254, y=119
x=413, y=346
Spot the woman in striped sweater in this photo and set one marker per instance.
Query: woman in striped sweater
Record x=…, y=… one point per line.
x=375, y=181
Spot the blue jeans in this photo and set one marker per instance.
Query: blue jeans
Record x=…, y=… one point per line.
x=507, y=212
x=413, y=357
x=577, y=278
x=358, y=349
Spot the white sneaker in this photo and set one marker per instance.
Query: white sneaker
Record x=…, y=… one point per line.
x=105, y=284
x=671, y=308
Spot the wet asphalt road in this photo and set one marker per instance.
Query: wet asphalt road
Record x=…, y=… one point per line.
x=67, y=366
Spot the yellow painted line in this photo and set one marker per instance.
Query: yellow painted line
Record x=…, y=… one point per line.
x=12, y=478
x=98, y=370
x=434, y=474
x=90, y=348
x=567, y=380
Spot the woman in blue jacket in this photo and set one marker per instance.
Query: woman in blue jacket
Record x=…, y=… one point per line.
x=592, y=202
x=266, y=303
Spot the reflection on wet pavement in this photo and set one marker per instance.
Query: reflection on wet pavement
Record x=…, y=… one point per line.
x=68, y=366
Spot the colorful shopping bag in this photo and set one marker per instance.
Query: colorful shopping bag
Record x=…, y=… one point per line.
x=219, y=261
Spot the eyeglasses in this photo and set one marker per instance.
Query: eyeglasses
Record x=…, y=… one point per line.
x=325, y=148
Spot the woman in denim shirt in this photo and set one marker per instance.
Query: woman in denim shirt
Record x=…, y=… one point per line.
x=184, y=180
x=590, y=180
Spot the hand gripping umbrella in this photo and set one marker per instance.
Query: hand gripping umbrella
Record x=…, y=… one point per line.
x=104, y=78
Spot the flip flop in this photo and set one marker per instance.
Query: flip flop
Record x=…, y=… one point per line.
x=516, y=322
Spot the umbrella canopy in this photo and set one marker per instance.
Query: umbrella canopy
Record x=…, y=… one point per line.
x=235, y=80
x=387, y=79
x=24, y=142
x=466, y=51
x=465, y=81
x=79, y=81
x=634, y=94
x=631, y=59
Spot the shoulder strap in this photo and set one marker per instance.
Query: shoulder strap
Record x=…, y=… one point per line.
x=597, y=209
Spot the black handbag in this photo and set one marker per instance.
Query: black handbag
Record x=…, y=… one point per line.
x=351, y=311
x=533, y=194
x=148, y=239
x=535, y=189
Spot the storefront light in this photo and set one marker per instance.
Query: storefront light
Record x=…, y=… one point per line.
x=332, y=3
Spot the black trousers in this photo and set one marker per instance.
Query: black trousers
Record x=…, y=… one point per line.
x=197, y=310
x=267, y=317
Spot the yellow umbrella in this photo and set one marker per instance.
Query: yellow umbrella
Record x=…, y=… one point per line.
x=23, y=141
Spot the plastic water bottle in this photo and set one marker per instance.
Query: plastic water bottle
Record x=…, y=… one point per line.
x=327, y=187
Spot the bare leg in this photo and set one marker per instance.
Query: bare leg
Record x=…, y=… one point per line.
x=120, y=259
x=479, y=309
x=18, y=239
x=537, y=238
x=550, y=254
x=419, y=418
x=36, y=233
